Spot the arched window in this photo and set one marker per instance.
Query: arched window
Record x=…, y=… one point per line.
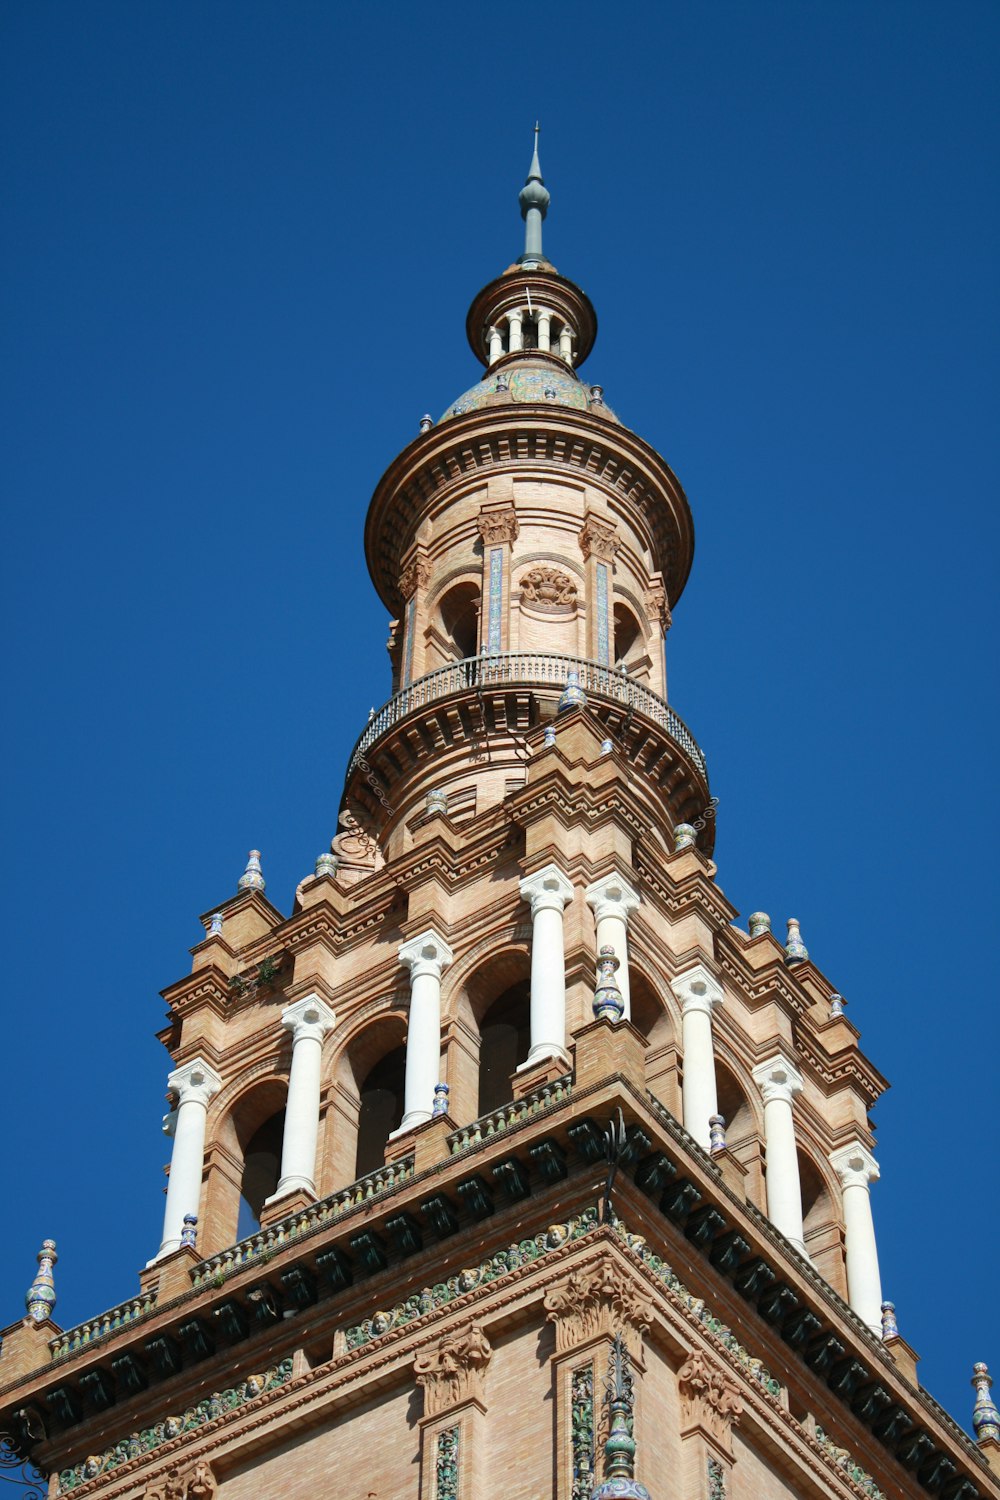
x=743, y=1139
x=630, y=646
x=651, y=1017
x=380, y=1109
x=504, y=1040
x=821, y=1225
x=458, y=620
x=261, y=1167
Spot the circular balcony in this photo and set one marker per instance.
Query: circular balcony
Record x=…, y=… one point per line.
x=499, y=697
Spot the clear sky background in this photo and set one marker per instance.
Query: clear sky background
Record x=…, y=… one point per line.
x=240, y=241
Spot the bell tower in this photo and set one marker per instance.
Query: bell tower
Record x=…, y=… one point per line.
x=508, y=1164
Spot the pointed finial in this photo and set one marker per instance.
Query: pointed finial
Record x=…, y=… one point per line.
x=890, y=1328
x=426, y=422
x=252, y=879
x=41, y=1296
x=684, y=837
x=619, y=1481
x=795, y=949
x=760, y=923
x=534, y=199
x=608, y=1002
x=985, y=1417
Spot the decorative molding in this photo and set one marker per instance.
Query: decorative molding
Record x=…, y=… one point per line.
x=599, y=539
x=137, y=1444
x=842, y=1460
x=596, y=1302
x=497, y=524
x=454, y=1371
x=710, y=1399
x=197, y=1482
x=548, y=589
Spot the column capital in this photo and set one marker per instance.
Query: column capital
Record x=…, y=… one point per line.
x=547, y=890
x=196, y=1081
x=778, y=1079
x=697, y=989
x=855, y=1165
x=612, y=896
x=309, y=1017
x=426, y=954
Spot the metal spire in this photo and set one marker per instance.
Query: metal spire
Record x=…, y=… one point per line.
x=534, y=199
x=619, y=1481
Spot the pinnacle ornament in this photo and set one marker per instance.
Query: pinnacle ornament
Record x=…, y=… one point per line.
x=252, y=878
x=41, y=1296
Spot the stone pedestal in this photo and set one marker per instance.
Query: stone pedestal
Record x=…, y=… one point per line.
x=606, y=1048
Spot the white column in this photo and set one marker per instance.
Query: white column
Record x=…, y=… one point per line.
x=544, y=328
x=514, y=325
x=613, y=900
x=566, y=343
x=548, y=891
x=194, y=1084
x=856, y=1168
x=779, y=1081
x=698, y=991
x=426, y=957
x=496, y=344
x=309, y=1020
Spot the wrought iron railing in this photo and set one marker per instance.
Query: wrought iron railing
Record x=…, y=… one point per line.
x=499, y=1121
x=528, y=667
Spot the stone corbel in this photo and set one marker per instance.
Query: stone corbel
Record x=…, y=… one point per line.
x=453, y=1373
x=596, y=1303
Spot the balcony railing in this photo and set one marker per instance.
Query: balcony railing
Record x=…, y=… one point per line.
x=499, y=1121
x=108, y=1322
x=515, y=668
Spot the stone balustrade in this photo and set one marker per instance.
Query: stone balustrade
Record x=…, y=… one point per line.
x=100, y=1327
x=508, y=1116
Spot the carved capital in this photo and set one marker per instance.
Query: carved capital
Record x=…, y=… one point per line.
x=599, y=538
x=657, y=606
x=497, y=524
x=598, y=1301
x=453, y=1372
x=196, y=1482
x=710, y=1399
x=416, y=575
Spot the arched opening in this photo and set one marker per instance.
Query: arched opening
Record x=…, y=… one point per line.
x=458, y=620
x=743, y=1140
x=821, y=1225
x=651, y=1017
x=380, y=1109
x=504, y=1040
x=630, y=645
x=261, y=1168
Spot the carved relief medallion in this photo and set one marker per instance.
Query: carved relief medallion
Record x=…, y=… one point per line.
x=549, y=589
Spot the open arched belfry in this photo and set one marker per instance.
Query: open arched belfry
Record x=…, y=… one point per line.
x=507, y=1166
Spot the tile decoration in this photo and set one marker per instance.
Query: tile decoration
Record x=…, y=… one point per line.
x=716, y=1480
x=139, y=1443
x=411, y=610
x=582, y=1431
x=844, y=1461
x=603, y=634
x=446, y=1465
x=496, y=598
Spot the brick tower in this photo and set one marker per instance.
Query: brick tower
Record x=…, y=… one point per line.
x=508, y=1166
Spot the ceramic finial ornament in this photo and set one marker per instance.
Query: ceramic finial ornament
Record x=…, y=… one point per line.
x=716, y=1134
x=440, y=1105
x=549, y=738
x=608, y=1002
x=760, y=923
x=215, y=926
x=607, y=746
x=684, y=837
x=619, y=1482
x=189, y=1234
x=41, y=1296
x=985, y=1417
x=890, y=1328
x=252, y=878
x=572, y=695
x=327, y=864
x=426, y=422
x=795, y=949
x=837, y=1003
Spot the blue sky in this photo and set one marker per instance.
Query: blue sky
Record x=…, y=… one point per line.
x=240, y=243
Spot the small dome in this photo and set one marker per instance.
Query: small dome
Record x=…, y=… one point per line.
x=531, y=382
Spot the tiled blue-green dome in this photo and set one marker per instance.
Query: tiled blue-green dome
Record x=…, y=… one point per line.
x=531, y=382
